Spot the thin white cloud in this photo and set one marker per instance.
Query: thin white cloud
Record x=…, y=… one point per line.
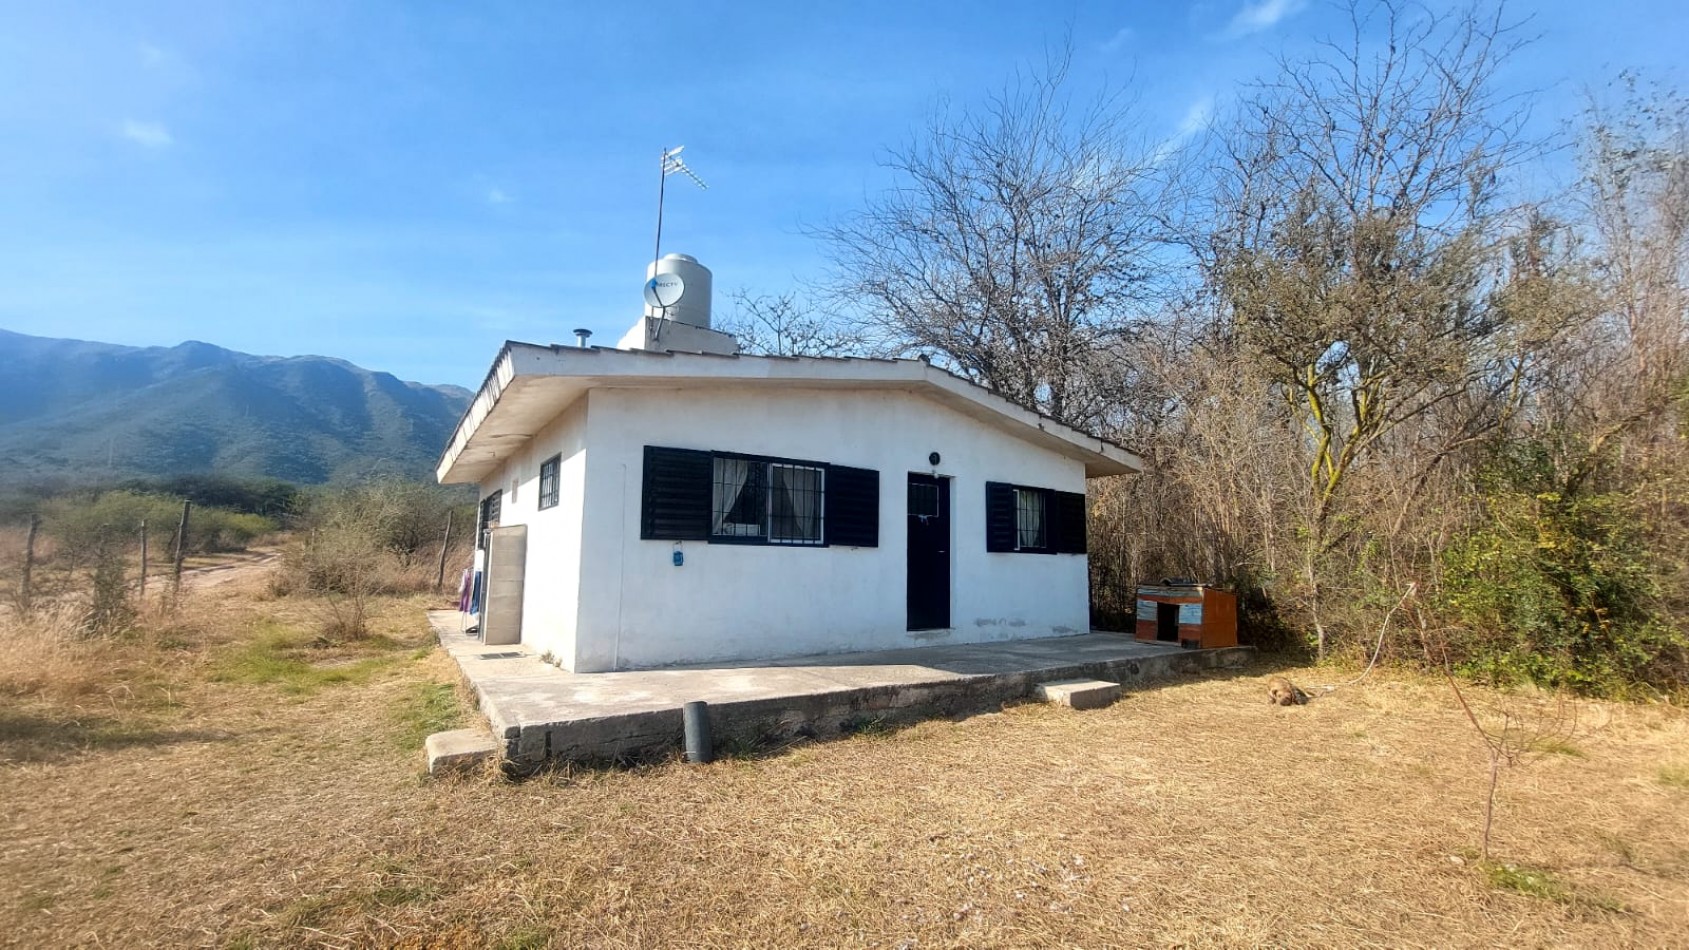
x=1262, y=15
x=498, y=196
x=151, y=56
x=1118, y=41
x=1196, y=119
x=148, y=134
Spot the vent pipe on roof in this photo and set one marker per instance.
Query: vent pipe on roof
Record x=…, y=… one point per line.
x=581, y=335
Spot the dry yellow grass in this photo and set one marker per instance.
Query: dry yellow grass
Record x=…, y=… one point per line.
x=1190, y=815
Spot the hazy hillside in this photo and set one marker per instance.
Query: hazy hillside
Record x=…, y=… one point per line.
x=84, y=411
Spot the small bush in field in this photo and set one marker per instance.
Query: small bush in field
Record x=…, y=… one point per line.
x=111, y=611
x=340, y=563
x=365, y=540
x=220, y=530
x=377, y=538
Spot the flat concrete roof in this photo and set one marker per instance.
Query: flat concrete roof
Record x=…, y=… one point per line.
x=529, y=384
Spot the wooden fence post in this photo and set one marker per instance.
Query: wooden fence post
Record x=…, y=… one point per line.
x=440, y=575
x=143, y=560
x=181, y=544
x=24, y=602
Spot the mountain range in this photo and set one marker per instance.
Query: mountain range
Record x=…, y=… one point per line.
x=76, y=411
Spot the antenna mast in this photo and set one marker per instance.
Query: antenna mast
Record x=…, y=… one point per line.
x=671, y=163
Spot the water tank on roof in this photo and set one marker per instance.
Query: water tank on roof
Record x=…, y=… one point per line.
x=678, y=287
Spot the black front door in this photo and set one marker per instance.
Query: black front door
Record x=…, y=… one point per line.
x=929, y=552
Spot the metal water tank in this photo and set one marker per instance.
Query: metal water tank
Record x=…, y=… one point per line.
x=678, y=287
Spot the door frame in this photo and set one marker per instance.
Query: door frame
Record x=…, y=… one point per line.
x=946, y=545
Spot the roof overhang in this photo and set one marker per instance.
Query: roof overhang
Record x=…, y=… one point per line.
x=529, y=385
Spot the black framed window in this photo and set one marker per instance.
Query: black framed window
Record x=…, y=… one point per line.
x=795, y=514
x=729, y=498
x=491, y=507
x=1030, y=533
x=1031, y=520
x=753, y=499
x=549, y=470
x=739, y=500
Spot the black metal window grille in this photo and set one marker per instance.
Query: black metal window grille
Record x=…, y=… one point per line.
x=923, y=499
x=1030, y=533
x=794, y=503
x=549, y=470
x=774, y=502
x=740, y=506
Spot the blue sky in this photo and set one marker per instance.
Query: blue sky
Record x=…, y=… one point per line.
x=406, y=185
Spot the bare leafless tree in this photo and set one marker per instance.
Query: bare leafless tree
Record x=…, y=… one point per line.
x=1514, y=728
x=787, y=325
x=1635, y=158
x=1014, y=247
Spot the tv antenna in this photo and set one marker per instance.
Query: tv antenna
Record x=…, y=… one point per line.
x=671, y=163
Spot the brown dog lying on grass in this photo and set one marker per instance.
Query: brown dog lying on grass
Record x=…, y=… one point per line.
x=1282, y=692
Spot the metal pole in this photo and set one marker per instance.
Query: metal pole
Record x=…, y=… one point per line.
x=662, y=186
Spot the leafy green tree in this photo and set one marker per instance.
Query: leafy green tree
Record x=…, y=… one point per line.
x=1354, y=234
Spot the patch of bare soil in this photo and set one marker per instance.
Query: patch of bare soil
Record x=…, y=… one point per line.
x=1189, y=815
x=215, y=570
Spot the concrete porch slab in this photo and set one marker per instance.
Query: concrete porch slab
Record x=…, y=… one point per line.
x=538, y=711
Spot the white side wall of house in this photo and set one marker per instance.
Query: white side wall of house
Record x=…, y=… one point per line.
x=636, y=609
x=551, y=587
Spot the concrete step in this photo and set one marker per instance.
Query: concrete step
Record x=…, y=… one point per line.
x=1079, y=694
x=460, y=750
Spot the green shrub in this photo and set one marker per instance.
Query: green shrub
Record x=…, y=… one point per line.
x=81, y=522
x=111, y=611
x=1557, y=585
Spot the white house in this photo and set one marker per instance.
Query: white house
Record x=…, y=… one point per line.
x=646, y=506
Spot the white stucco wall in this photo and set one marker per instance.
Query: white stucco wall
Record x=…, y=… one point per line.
x=551, y=587
x=636, y=609
x=652, y=333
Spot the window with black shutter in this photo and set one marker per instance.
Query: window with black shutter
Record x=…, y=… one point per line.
x=728, y=498
x=1067, y=522
x=492, y=507
x=1030, y=520
x=853, y=507
x=548, y=481
x=676, y=497
x=1032, y=529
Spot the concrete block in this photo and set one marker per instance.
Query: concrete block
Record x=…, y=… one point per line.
x=1080, y=694
x=460, y=750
